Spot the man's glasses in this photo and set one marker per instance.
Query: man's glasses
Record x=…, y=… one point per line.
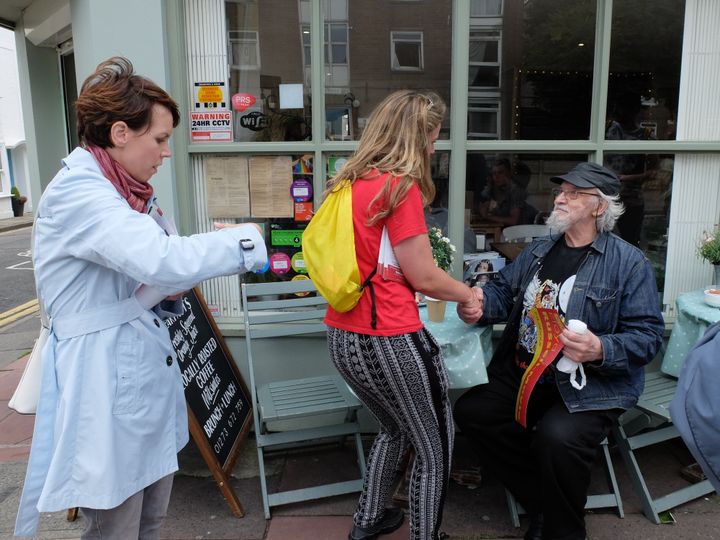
x=570, y=194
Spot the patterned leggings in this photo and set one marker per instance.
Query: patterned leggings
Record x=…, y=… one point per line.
x=402, y=381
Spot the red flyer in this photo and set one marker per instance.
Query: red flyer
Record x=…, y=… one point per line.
x=549, y=327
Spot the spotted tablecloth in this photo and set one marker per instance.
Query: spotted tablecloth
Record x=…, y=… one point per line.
x=467, y=349
x=693, y=318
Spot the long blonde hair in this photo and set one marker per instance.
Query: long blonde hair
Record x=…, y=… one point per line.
x=395, y=141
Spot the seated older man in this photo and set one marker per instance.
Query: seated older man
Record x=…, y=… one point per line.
x=584, y=272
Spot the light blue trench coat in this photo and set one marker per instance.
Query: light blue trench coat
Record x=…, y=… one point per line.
x=112, y=415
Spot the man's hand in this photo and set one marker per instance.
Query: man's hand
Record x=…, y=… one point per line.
x=585, y=347
x=471, y=311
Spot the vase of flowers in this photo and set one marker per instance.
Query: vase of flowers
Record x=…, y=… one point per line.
x=443, y=253
x=709, y=250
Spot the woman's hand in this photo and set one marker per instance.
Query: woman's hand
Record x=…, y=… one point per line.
x=471, y=311
x=219, y=226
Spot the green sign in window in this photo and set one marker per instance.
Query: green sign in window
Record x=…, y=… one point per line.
x=286, y=237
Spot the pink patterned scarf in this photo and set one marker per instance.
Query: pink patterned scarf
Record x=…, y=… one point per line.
x=135, y=193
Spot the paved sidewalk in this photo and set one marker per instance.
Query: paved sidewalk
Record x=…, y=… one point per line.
x=198, y=511
x=10, y=224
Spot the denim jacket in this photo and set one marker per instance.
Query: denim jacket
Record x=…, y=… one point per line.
x=615, y=294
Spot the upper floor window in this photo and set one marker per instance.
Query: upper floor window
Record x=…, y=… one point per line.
x=336, y=43
x=485, y=47
x=486, y=8
x=244, y=49
x=406, y=51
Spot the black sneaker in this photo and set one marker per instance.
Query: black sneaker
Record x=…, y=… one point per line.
x=534, y=531
x=390, y=520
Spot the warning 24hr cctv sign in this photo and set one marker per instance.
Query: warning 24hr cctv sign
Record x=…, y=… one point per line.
x=211, y=126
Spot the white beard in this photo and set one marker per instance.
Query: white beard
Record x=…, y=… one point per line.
x=559, y=222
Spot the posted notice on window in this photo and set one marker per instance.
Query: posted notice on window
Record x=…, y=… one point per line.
x=211, y=126
x=228, y=191
x=270, y=180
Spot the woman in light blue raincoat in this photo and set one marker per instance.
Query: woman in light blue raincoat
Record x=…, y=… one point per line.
x=112, y=415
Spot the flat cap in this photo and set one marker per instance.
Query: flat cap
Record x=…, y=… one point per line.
x=591, y=175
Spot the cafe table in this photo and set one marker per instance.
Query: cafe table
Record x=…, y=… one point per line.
x=466, y=348
x=694, y=316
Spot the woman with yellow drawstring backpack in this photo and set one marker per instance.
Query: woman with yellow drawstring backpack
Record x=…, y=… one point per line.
x=380, y=346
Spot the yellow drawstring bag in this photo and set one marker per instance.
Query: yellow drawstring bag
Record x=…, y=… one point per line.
x=329, y=250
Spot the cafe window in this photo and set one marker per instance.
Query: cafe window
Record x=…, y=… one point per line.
x=646, y=187
x=406, y=51
x=539, y=61
x=268, y=89
x=511, y=189
x=644, y=80
x=274, y=191
x=354, y=89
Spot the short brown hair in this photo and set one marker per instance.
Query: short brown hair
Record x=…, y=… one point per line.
x=114, y=93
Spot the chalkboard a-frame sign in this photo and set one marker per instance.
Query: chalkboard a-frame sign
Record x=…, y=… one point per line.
x=219, y=406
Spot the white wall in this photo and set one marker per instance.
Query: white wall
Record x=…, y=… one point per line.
x=11, y=123
x=10, y=108
x=144, y=45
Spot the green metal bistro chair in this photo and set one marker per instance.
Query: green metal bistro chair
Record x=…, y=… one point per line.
x=653, y=426
x=605, y=500
x=296, y=412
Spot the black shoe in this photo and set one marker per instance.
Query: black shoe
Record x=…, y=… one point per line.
x=390, y=520
x=535, y=529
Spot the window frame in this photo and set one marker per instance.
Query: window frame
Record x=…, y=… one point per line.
x=395, y=39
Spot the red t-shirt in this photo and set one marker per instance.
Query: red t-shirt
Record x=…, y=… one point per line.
x=397, y=311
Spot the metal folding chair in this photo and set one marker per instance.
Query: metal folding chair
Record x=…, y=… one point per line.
x=289, y=413
x=653, y=426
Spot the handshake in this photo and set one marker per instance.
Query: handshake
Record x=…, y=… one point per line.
x=471, y=311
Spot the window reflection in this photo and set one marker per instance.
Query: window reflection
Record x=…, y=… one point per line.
x=265, y=59
x=408, y=46
x=511, y=189
x=530, y=69
x=645, y=68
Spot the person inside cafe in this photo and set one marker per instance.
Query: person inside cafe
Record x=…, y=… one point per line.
x=380, y=347
x=633, y=170
x=436, y=215
x=585, y=272
x=112, y=416
x=502, y=200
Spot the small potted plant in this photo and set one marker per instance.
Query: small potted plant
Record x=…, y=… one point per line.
x=709, y=249
x=443, y=253
x=18, y=202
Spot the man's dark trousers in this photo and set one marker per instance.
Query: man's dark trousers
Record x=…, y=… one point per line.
x=546, y=466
